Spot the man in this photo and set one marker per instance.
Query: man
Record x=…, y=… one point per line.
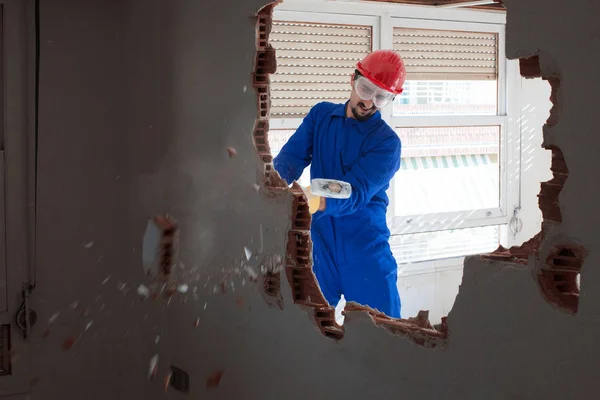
x=350, y=142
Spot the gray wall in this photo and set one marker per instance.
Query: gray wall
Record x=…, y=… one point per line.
x=138, y=102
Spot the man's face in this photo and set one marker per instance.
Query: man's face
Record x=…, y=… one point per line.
x=361, y=109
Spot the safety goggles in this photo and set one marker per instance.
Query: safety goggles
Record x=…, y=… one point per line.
x=368, y=91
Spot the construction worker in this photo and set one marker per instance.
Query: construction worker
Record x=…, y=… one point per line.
x=351, y=143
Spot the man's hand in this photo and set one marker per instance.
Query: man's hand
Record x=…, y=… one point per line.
x=315, y=203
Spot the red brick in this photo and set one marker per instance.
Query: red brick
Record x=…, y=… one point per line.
x=305, y=289
x=264, y=101
x=299, y=249
x=558, y=278
x=301, y=217
x=554, y=111
x=272, y=290
x=530, y=67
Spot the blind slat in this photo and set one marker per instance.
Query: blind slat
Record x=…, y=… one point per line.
x=278, y=95
x=289, y=63
x=321, y=32
x=308, y=85
x=446, y=41
x=303, y=38
x=322, y=46
x=412, y=32
x=426, y=50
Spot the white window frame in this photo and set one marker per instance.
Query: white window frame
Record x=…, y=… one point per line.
x=468, y=218
x=383, y=17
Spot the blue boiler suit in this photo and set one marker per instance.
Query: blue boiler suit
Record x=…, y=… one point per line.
x=351, y=253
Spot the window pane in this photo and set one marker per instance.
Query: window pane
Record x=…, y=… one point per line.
x=446, y=169
x=447, y=98
x=277, y=139
x=418, y=247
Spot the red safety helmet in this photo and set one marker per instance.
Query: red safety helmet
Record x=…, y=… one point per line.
x=384, y=68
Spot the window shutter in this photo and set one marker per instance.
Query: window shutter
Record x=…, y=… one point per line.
x=447, y=55
x=314, y=64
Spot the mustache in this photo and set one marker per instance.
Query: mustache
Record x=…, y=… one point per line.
x=364, y=106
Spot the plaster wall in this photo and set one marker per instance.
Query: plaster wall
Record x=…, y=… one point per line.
x=139, y=101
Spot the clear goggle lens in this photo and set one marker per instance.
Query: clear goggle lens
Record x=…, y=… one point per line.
x=368, y=91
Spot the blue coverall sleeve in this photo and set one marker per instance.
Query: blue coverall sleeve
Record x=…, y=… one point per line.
x=296, y=154
x=368, y=176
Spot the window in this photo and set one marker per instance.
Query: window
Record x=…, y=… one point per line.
x=449, y=198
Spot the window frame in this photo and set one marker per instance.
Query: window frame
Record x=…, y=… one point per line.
x=383, y=18
x=400, y=225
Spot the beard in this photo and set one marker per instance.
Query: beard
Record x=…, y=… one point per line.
x=362, y=117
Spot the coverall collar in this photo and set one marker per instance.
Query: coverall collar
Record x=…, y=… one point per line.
x=363, y=126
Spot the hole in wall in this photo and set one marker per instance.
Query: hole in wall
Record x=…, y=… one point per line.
x=269, y=139
x=303, y=282
x=558, y=275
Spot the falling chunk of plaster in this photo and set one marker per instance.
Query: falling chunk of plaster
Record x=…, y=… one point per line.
x=253, y=274
x=168, y=380
x=89, y=325
x=214, y=379
x=143, y=291
x=68, y=343
x=153, y=366
x=183, y=288
x=205, y=305
x=197, y=322
x=245, y=89
x=53, y=317
x=74, y=305
x=261, y=239
x=151, y=248
x=106, y=280
x=232, y=152
x=88, y=245
x=248, y=253
x=256, y=187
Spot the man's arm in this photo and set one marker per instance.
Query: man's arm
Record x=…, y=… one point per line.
x=296, y=154
x=369, y=175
